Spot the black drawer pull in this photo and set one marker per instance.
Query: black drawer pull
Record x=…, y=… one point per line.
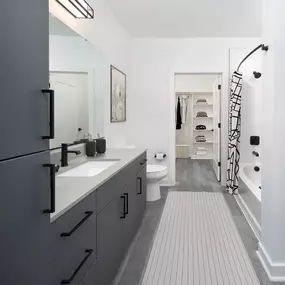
x=140, y=190
x=52, y=188
x=143, y=162
x=88, y=215
x=124, y=211
x=127, y=204
x=68, y=281
x=51, y=113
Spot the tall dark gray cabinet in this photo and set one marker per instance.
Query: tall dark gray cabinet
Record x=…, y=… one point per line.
x=25, y=127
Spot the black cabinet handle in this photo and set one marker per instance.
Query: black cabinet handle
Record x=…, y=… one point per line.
x=68, y=281
x=52, y=188
x=127, y=204
x=51, y=113
x=143, y=162
x=88, y=214
x=140, y=191
x=124, y=212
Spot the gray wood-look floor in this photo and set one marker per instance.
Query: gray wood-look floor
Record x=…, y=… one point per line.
x=192, y=176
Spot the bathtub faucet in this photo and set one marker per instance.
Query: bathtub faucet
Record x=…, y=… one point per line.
x=255, y=153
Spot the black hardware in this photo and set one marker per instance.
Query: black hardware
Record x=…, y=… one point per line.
x=254, y=140
x=219, y=125
x=262, y=46
x=85, y=11
x=219, y=86
x=57, y=167
x=256, y=74
x=145, y=160
x=51, y=113
x=140, y=179
x=68, y=234
x=256, y=168
x=255, y=153
x=69, y=280
x=52, y=188
x=127, y=204
x=65, y=152
x=219, y=164
x=124, y=212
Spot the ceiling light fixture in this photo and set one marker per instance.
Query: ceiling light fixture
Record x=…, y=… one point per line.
x=79, y=9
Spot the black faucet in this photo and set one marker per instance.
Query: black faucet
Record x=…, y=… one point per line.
x=255, y=153
x=65, y=152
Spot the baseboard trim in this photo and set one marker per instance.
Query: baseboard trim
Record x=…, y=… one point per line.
x=274, y=270
x=255, y=226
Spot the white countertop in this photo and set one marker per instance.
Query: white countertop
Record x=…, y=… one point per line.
x=71, y=190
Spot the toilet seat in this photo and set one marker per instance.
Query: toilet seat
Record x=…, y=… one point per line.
x=156, y=171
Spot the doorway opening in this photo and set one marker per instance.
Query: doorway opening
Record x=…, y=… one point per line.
x=198, y=117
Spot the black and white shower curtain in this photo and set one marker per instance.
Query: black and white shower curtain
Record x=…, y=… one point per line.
x=234, y=133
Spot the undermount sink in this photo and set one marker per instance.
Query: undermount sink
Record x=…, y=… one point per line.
x=88, y=169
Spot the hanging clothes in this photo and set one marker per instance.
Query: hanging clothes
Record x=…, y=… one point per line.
x=185, y=108
x=178, y=115
x=234, y=133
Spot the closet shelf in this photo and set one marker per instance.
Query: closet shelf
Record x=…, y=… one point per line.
x=202, y=118
x=206, y=131
x=209, y=142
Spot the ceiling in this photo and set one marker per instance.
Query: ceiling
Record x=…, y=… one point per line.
x=189, y=18
x=58, y=28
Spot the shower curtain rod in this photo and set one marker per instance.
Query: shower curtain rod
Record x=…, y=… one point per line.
x=262, y=46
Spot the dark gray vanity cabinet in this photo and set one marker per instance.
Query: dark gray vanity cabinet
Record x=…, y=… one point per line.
x=24, y=72
x=25, y=238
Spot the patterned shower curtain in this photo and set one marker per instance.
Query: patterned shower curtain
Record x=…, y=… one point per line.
x=234, y=133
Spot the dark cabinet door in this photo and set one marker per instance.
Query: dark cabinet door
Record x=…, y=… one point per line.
x=109, y=240
x=25, y=229
x=141, y=192
x=24, y=72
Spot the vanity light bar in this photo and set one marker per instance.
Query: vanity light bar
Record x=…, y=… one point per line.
x=77, y=8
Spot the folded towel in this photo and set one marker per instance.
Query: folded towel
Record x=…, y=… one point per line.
x=200, y=139
x=202, y=153
x=201, y=114
x=200, y=127
x=201, y=148
x=201, y=101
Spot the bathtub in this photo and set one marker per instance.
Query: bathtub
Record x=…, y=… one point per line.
x=251, y=178
x=249, y=196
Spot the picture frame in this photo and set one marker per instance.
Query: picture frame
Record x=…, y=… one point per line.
x=118, y=95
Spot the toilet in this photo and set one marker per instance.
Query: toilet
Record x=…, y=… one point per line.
x=155, y=173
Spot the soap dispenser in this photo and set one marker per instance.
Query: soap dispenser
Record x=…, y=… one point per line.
x=90, y=147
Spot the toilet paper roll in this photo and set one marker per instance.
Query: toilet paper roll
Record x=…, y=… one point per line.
x=160, y=156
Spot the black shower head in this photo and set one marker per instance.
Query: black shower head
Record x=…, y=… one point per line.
x=256, y=74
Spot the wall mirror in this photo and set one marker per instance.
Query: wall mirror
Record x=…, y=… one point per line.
x=79, y=76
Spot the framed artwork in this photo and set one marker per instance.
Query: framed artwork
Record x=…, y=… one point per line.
x=118, y=84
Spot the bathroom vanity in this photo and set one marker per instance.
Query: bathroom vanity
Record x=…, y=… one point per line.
x=96, y=217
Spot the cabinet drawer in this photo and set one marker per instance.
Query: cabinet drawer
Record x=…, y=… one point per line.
x=73, y=265
x=140, y=162
x=76, y=228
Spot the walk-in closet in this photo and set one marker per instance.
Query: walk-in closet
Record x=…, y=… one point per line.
x=197, y=112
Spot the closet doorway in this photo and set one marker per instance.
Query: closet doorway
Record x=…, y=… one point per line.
x=198, y=117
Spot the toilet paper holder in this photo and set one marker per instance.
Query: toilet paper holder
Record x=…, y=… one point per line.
x=164, y=155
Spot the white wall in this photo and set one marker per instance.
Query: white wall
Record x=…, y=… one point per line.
x=153, y=65
x=251, y=111
x=272, y=246
x=107, y=34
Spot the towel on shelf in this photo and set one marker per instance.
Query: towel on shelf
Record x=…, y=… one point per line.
x=201, y=152
x=200, y=127
x=201, y=101
x=178, y=115
x=200, y=138
x=201, y=114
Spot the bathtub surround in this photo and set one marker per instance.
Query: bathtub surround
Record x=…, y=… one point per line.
x=271, y=249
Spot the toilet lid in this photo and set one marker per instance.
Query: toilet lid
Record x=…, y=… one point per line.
x=155, y=168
